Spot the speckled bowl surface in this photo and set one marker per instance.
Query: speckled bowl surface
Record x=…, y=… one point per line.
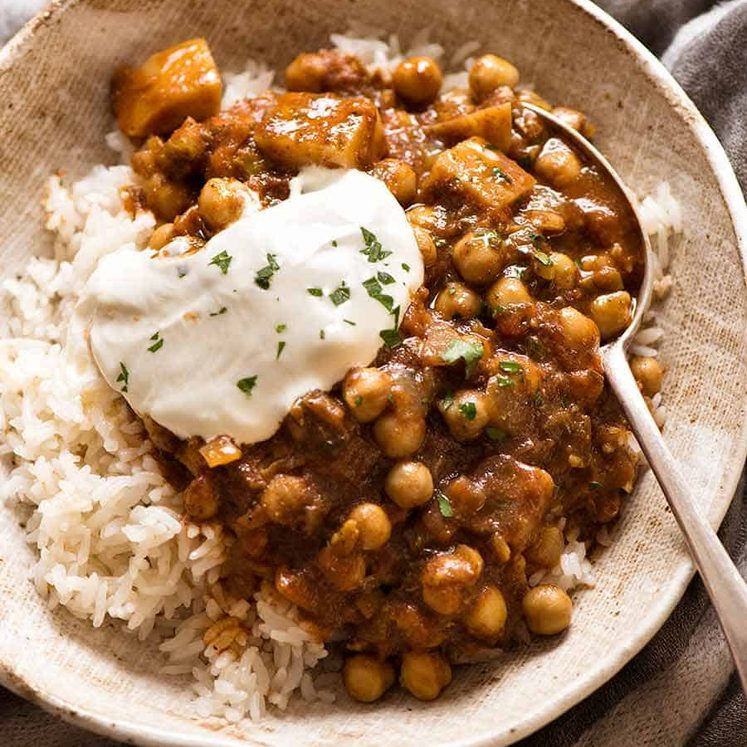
x=54, y=112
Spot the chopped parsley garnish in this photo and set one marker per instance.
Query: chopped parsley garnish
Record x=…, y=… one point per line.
x=514, y=271
x=358, y=401
x=444, y=505
x=543, y=259
x=246, y=385
x=373, y=288
x=314, y=292
x=124, y=377
x=340, y=294
x=495, y=434
x=281, y=347
x=334, y=242
x=501, y=175
x=391, y=337
x=222, y=261
x=405, y=267
x=469, y=352
x=504, y=381
x=221, y=310
x=447, y=401
x=510, y=366
x=157, y=342
x=347, y=321
x=264, y=275
x=595, y=485
x=384, y=278
x=280, y=328
x=373, y=249
x=469, y=410
x=322, y=334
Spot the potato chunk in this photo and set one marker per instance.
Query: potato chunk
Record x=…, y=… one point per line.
x=171, y=85
x=493, y=123
x=480, y=174
x=321, y=129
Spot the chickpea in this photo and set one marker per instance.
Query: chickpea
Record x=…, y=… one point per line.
x=424, y=675
x=397, y=436
x=424, y=216
x=488, y=614
x=611, y=312
x=478, y=256
x=557, y=163
x=285, y=498
x=374, y=527
x=547, y=609
x=563, y=271
x=507, y=292
x=409, y=484
x=465, y=495
x=490, y=72
x=345, y=572
x=579, y=331
x=547, y=548
x=201, y=501
x=648, y=373
x=221, y=202
x=447, y=576
x=399, y=177
x=417, y=80
x=166, y=198
x=456, y=300
x=426, y=244
x=161, y=236
x=367, y=678
x=466, y=415
x=365, y=391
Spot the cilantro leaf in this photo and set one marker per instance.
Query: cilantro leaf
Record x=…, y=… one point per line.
x=373, y=249
x=495, y=434
x=157, y=344
x=468, y=410
x=469, y=352
x=340, y=295
x=391, y=337
x=222, y=261
x=444, y=505
x=373, y=288
x=264, y=275
x=124, y=377
x=246, y=385
x=314, y=292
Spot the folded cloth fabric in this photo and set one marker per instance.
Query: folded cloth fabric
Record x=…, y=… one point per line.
x=680, y=689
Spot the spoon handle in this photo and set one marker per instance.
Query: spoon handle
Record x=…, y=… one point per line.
x=726, y=587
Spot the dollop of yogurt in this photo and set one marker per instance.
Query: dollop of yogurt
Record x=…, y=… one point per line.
x=285, y=300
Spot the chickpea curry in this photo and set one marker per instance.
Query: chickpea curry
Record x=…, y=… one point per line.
x=404, y=511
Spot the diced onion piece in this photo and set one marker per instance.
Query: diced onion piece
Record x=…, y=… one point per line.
x=219, y=451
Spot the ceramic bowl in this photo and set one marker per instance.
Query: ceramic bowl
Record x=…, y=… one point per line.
x=54, y=112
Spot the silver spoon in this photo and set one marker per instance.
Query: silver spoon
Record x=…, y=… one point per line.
x=726, y=587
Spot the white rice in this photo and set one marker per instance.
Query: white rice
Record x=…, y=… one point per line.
x=106, y=525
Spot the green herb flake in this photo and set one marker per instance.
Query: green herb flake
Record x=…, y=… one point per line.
x=347, y=321
x=263, y=278
x=222, y=261
x=281, y=347
x=444, y=505
x=447, y=401
x=510, y=367
x=334, y=243
x=322, y=334
x=501, y=175
x=340, y=294
x=315, y=292
x=384, y=278
x=374, y=290
x=504, y=381
x=221, y=310
x=358, y=401
x=157, y=342
x=595, y=485
x=468, y=410
x=391, y=337
x=124, y=377
x=405, y=267
x=543, y=259
x=495, y=434
x=469, y=352
x=515, y=271
x=247, y=384
x=280, y=328
x=373, y=249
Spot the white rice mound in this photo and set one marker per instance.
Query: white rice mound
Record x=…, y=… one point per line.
x=111, y=543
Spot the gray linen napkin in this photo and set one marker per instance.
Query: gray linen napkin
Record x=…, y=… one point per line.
x=680, y=689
